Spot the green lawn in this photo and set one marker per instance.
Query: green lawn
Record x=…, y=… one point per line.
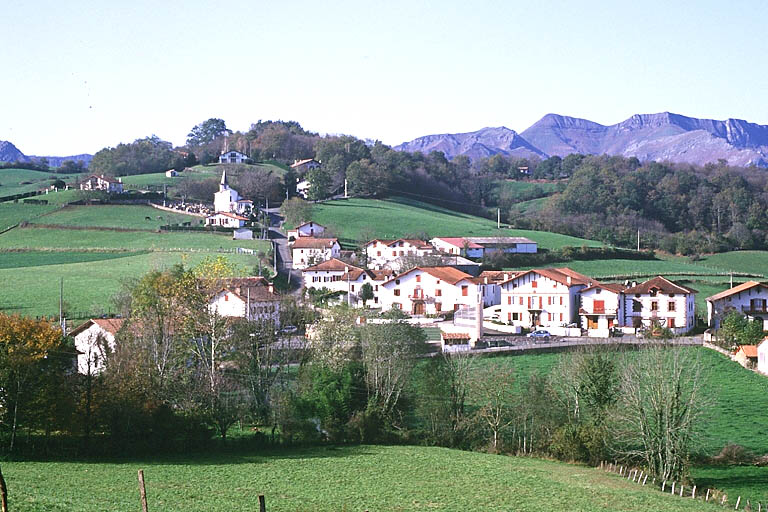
x=13, y=213
x=396, y=478
x=198, y=172
x=35, y=239
x=753, y=262
x=89, y=283
x=21, y=181
x=397, y=217
x=116, y=216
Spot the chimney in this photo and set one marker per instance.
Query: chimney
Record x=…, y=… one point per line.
x=506, y=276
x=485, y=280
x=568, y=280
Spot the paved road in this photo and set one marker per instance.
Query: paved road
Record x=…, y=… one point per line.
x=284, y=258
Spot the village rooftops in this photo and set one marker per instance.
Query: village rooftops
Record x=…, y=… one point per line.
x=108, y=179
x=307, y=242
x=736, y=289
x=449, y=275
x=749, y=350
x=299, y=163
x=110, y=325
x=561, y=275
x=333, y=264
x=498, y=240
x=255, y=288
x=611, y=287
x=460, y=242
x=659, y=284
x=421, y=244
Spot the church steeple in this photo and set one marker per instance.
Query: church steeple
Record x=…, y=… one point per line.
x=224, y=185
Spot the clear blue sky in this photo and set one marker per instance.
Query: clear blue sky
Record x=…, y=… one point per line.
x=80, y=75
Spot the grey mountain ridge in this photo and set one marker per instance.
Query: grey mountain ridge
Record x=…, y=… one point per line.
x=658, y=137
x=10, y=153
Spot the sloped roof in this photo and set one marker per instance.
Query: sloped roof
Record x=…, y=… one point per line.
x=500, y=240
x=559, y=275
x=736, y=289
x=661, y=284
x=302, y=162
x=108, y=179
x=308, y=242
x=308, y=222
x=110, y=325
x=459, y=242
x=749, y=350
x=333, y=264
x=256, y=288
x=448, y=274
x=611, y=287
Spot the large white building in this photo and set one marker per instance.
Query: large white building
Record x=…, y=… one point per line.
x=387, y=253
x=93, y=340
x=660, y=302
x=749, y=299
x=602, y=308
x=252, y=298
x=232, y=157
x=306, y=229
x=479, y=246
x=547, y=297
x=308, y=251
x=228, y=200
x=338, y=276
x=430, y=291
x=101, y=182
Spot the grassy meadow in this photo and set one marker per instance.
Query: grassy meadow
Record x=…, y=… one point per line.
x=14, y=213
x=397, y=217
x=21, y=181
x=116, y=216
x=401, y=478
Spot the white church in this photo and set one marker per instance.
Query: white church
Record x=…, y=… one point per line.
x=230, y=209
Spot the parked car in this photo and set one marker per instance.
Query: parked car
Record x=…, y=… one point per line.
x=541, y=333
x=289, y=329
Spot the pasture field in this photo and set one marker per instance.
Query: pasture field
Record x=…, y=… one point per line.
x=753, y=262
x=530, y=206
x=13, y=213
x=116, y=216
x=37, y=239
x=21, y=181
x=397, y=217
x=737, y=414
x=198, y=172
x=89, y=283
x=401, y=478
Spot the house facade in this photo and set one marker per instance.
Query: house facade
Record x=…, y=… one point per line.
x=226, y=220
x=430, y=291
x=93, y=339
x=660, y=302
x=308, y=251
x=602, y=308
x=387, y=253
x=477, y=247
x=252, y=298
x=302, y=166
x=307, y=229
x=458, y=246
x=338, y=276
x=101, y=182
x=762, y=356
x=542, y=298
x=749, y=299
x=171, y=173
x=232, y=157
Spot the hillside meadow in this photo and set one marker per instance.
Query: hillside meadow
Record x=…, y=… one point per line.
x=398, y=478
x=116, y=216
x=21, y=181
x=397, y=217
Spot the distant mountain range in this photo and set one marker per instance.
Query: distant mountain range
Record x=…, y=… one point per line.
x=657, y=137
x=10, y=153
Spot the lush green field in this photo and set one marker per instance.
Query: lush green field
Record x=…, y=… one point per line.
x=13, y=213
x=89, y=283
x=531, y=206
x=198, y=172
x=116, y=216
x=737, y=414
x=351, y=478
x=33, y=259
x=753, y=262
x=21, y=181
x=33, y=238
x=397, y=217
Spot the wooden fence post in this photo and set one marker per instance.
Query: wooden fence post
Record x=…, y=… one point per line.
x=673, y=487
x=738, y=500
x=693, y=495
x=142, y=492
x=645, y=479
x=663, y=485
x=262, y=503
x=681, y=490
x=707, y=498
x=3, y=494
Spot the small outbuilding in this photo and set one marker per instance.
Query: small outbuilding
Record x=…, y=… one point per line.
x=746, y=356
x=242, y=234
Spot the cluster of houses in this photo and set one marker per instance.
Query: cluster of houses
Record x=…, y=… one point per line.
x=102, y=183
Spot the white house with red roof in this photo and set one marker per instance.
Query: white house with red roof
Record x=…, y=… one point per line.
x=602, y=308
x=302, y=166
x=547, y=297
x=306, y=229
x=338, y=276
x=749, y=299
x=101, y=182
x=93, y=340
x=458, y=246
x=252, y=298
x=307, y=251
x=660, y=302
x=430, y=291
x=387, y=253
x=226, y=220
x=479, y=246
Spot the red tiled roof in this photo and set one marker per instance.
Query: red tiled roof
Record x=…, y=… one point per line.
x=110, y=325
x=559, y=275
x=333, y=264
x=736, y=289
x=459, y=242
x=455, y=335
x=308, y=242
x=448, y=274
x=611, y=287
x=749, y=350
x=302, y=162
x=661, y=284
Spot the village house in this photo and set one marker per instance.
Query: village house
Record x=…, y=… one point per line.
x=478, y=247
x=93, y=340
x=302, y=188
x=457, y=245
x=252, y=298
x=547, y=297
x=302, y=166
x=226, y=220
x=307, y=229
x=602, y=308
x=232, y=157
x=762, y=356
x=660, y=302
x=430, y=291
x=308, y=251
x=492, y=280
x=101, y=182
x=749, y=299
x=338, y=276
x=171, y=173
x=387, y=253
x=746, y=356
x=227, y=199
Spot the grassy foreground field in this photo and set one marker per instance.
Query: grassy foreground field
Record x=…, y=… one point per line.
x=116, y=216
x=397, y=217
x=350, y=478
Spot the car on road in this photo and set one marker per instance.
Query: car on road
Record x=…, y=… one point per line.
x=539, y=334
x=289, y=329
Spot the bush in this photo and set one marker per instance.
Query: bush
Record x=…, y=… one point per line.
x=734, y=454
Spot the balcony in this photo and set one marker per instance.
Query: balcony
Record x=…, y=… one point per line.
x=754, y=309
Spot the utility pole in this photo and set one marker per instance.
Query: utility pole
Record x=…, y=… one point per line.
x=345, y=189
x=638, y=240
x=498, y=218
x=61, y=304
x=349, y=299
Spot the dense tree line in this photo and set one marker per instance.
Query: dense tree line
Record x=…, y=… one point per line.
x=142, y=156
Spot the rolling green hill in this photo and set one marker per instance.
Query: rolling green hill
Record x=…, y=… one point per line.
x=116, y=216
x=21, y=181
x=398, y=217
x=397, y=478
